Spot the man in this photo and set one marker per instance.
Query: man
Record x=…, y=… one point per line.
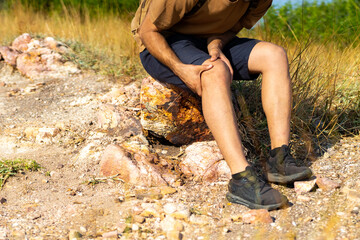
x=193, y=44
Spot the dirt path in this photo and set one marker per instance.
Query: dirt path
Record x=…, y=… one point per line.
x=50, y=203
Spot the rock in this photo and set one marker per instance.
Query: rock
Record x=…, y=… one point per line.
x=127, y=96
x=74, y=235
x=116, y=160
x=31, y=132
x=150, y=212
x=302, y=198
x=54, y=45
x=2, y=84
x=42, y=63
x=21, y=42
x=167, y=190
x=170, y=208
x=355, y=210
x=152, y=193
x=9, y=55
x=112, y=234
x=352, y=194
x=139, y=219
x=326, y=184
x=172, y=113
x=170, y=224
x=45, y=135
x=174, y=235
x=201, y=220
x=3, y=200
x=205, y=160
x=304, y=186
x=181, y=212
x=117, y=121
x=256, y=216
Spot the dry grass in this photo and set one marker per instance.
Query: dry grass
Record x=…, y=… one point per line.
x=107, y=36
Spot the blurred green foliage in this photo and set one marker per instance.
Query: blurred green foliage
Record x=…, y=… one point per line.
x=336, y=20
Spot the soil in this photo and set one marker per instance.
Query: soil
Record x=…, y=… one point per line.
x=68, y=194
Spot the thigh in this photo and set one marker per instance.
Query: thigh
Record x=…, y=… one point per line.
x=190, y=50
x=238, y=51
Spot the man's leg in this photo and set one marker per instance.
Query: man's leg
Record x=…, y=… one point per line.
x=271, y=61
x=219, y=114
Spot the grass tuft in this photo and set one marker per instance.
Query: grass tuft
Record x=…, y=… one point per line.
x=9, y=168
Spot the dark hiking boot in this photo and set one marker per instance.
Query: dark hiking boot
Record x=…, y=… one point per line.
x=281, y=167
x=248, y=189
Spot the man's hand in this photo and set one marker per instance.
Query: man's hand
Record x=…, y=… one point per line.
x=214, y=48
x=191, y=75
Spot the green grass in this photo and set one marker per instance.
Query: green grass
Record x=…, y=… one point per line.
x=9, y=168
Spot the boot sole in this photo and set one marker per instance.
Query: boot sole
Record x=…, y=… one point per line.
x=278, y=178
x=236, y=199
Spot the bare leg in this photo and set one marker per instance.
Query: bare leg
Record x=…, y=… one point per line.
x=219, y=115
x=271, y=61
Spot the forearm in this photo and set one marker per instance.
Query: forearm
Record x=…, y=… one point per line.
x=220, y=41
x=158, y=47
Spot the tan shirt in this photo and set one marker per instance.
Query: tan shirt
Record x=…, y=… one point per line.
x=213, y=18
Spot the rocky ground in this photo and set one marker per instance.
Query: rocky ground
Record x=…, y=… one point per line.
x=74, y=121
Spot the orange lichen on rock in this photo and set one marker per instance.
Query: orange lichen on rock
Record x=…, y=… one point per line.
x=172, y=113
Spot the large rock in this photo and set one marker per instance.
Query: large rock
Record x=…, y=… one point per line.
x=39, y=59
x=10, y=55
x=172, y=113
x=21, y=42
x=205, y=161
x=134, y=170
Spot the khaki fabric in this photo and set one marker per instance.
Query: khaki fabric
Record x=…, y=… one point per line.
x=213, y=18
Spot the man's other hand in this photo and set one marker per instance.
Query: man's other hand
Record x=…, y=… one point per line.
x=216, y=53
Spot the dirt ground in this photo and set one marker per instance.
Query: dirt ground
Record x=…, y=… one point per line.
x=59, y=200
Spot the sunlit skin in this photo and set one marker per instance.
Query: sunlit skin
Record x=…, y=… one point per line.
x=212, y=80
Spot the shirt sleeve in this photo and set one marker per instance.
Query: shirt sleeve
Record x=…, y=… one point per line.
x=255, y=14
x=166, y=13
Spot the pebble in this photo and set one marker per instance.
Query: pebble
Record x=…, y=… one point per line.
x=74, y=235
x=355, y=210
x=3, y=200
x=112, y=234
x=326, y=184
x=139, y=219
x=150, y=212
x=199, y=219
x=174, y=235
x=304, y=186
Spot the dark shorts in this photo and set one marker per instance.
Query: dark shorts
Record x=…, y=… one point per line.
x=193, y=50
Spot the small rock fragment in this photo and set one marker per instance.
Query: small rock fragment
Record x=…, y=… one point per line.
x=326, y=184
x=257, y=216
x=150, y=213
x=351, y=194
x=74, y=235
x=355, y=210
x=303, y=198
x=173, y=235
x=3, y=200
x=201, y=220
x=167, y=190
x=152, y=193
x=112, y=234
x=304, y=186
x=170, y=208
x=139, y=219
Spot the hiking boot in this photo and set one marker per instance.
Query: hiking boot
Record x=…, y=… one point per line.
x=281, y=167
x=248, y=189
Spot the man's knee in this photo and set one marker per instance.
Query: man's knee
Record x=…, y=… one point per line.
x=219, y=75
